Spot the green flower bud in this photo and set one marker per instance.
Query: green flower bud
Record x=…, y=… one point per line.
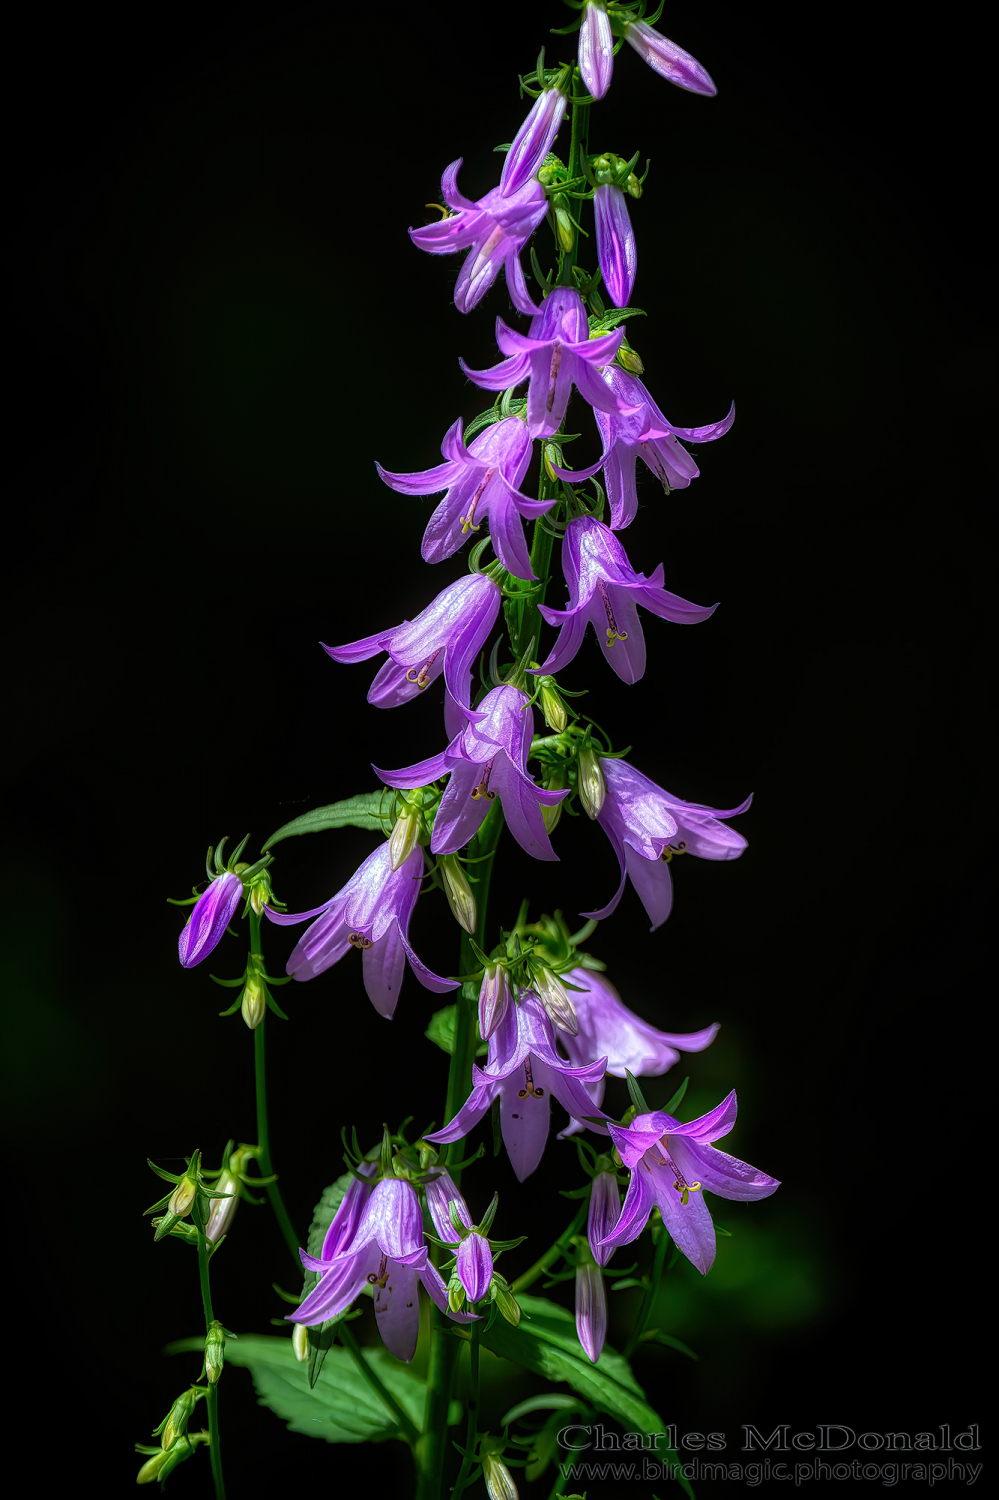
x=590, y=781
x=498, y=1479
x=300, y=1342
x=166, y=1460
x=554, y=782
x=461, y=898
x=629, y=359
x=552, y=706
x=182, y=1197
x=455, y=1294
x=404, y=836
x=254, y=1003
x=174, y=1426
x=565, y=229
x=500, y=1293
x=555, y=998
x=214, y=1351
x=633, y=186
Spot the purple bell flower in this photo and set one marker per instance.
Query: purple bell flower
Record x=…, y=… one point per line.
x=212, y=913
x=605, y=592
x=486, y=760
x=533, y=142
x=557, y=354
x=641, y=432
x=523, y=1071
x=667, y=59
x=647, y=826
x=670, y=1164
x=596, y=49
x=591, y=1294
x=446, y=637
x=494, y=230
x=481, y=482
x=371, y=913
x=616, y=250
x=378, y=1241
x=473, y=1252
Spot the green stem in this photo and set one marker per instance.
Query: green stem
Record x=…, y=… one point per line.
x=353, y=1348
x=272, y=1189
x=212, y=1393
x=645, y=1311
x=472, y=1433
x=545, y=1262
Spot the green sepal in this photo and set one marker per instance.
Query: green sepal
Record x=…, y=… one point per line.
x=556, y=1401
x=636, y=1095
x=365, y=810
x=656, y=1336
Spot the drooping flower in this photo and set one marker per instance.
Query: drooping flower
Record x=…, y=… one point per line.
x=486, y=760
x=596, y=48
x=641, y=432
x=556, y=355
x=667, y=59
x=446, y=637
x=616, y=249
x=671, y=1166
x=212, y=913
x=533, y=142
x=591, y=1294
x=371, y=913
x=647, y=826
x=494, y=230
x=605, y=592
x=523, y=1071
x=481, y=482
x=383, y=1246
x=472, y=1251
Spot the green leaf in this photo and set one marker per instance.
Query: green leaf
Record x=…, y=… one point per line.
x=677, y=1099
x=656, y=1336
x=323, y=1336
x=545, y=1342
x=442, y=1028
x=344, y=1409
x=611, y=319
x=557, y=1401
x=366, y=810
x=635, y=1093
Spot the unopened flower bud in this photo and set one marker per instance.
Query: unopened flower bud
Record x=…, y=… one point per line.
x=182, y=1197
x=455, y=1294
x=403, y=839
x=590, y=781
x=552, y=706
x=555, y=998
x=300, y=1342
x=494, y=997
x=254, y=1002
x=555, y=781
x=500, y=1293
x=630, y=360
x=214, y=1351
x=458, y=891
x=565, y=230
x=166, y=1460
x=175, y=1424
x=498, y=1479
x=222, y=1208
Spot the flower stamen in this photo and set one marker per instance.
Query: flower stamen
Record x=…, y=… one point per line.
x=358, y=940
x=614, y=632
x=682, y=1186
x=381, y=1276
x=531, y=1091
x=655, y=464
x=422, y=677
x=672, y=849
x=482, y=789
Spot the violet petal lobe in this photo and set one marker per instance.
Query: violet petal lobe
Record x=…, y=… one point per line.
x=475, y=1266
x=602, y=1215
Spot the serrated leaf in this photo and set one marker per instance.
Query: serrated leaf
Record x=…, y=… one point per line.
x=613, y=318
x=344, y=1408
x=442, y=1027
x=365, y=810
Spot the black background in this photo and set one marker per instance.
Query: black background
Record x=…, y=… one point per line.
x=218, y=323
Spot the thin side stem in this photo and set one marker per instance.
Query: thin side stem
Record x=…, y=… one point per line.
x=472, y=1432
x=212, y=1393
x=648, y=1300
x=272, y=1189
x=545, y=1262
x=356, y=1353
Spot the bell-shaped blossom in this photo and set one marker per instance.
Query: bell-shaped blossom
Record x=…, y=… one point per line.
x=617, y=253
x=473, y=1252
x=212, y=913
x=641, y=432
x=591, y=1294
x=523, y=1070
x=605, y=592
x=481, y=483
x=667, y=59
x=554, y=356
x=596, y=48
x=647, y=826
x=494, y=231
x=533, y=142
x=607, y=1028
x=446, y=637
x=487, y=759
x=370, y=913
x=381, y=1246
x=671, y=1167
